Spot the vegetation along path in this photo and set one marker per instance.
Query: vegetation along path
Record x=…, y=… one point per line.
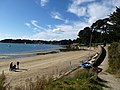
x=111, y=81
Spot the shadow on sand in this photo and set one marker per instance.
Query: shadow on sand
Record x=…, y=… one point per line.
x=20, y=70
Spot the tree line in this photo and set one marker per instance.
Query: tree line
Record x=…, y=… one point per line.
x=25, y=41
x=105, y=30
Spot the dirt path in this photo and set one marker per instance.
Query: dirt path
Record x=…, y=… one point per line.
x=54, y=64
x=112, y=82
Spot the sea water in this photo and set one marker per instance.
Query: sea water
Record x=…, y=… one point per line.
x=12, y=50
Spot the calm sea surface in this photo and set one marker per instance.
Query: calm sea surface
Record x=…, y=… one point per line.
x=9, y=50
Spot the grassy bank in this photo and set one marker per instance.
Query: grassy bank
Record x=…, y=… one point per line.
x=81, y=80
x=2, y=82
x=114, y=58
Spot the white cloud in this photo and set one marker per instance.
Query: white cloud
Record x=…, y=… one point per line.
x=49, y=35
x=10, y=36
x=56, y=15
x=112, y=4
x=36, y=30
x=57, y=30
x=100, y=10
x=66, y=21
x=92, y=19
x=78, y=2
x=49, y=26
x=43, y=2
x=97, y=11
x=76, y=7
x=93, y=9
x=78, y=11
x=28, y=25
x=115, y=2
x=60, y=32
x=34, y=23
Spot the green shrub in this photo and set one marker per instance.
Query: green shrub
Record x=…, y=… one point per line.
x=2, y=81
x=114, y=58
x=82, y=80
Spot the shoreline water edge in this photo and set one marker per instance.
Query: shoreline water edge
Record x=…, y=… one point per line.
x=27, y=54
x=11, y=51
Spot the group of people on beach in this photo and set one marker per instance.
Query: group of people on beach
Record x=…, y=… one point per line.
x=14, y=67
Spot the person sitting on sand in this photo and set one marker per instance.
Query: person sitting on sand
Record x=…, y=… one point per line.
x=14, y=68
x=18, y=65
x=11, y=66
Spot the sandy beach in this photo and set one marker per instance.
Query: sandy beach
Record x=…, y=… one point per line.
x=49, y=64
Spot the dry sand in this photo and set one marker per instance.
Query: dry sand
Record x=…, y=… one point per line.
x=49, y=64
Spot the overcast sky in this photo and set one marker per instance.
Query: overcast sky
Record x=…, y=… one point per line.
x=50, y=19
